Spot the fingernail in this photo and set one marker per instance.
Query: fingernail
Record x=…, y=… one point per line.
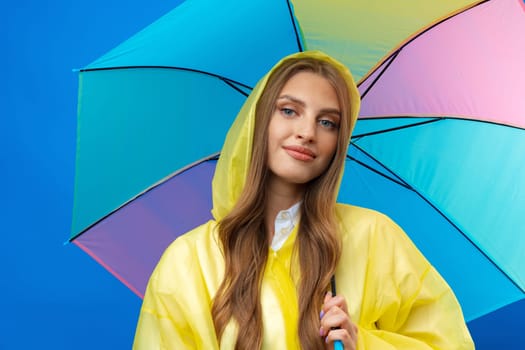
x=321, y=314
x=321, y=331
x=326, y=340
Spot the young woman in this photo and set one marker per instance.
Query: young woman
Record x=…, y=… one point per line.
x=258, y=275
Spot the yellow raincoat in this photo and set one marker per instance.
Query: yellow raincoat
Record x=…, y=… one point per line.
x=394, y=295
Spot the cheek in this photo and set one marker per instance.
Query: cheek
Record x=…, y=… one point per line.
x=272, y=140
x=275, y=133
x=331, y=146
x=272, y=131
x=331, y=151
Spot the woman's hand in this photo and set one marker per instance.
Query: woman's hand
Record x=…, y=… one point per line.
x=336, y=324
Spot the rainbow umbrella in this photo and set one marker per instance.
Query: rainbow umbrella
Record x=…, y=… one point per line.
x=439, y=146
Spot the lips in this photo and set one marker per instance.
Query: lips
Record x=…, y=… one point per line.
x=300, y=153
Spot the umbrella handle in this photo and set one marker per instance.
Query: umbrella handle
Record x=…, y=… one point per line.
x=338, y=345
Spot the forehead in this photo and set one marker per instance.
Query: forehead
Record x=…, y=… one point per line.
x=310, y=87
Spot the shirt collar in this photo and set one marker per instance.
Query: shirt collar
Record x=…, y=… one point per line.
x=284, y=224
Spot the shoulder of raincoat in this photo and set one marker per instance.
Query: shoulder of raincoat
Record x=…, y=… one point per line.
x=396, y=298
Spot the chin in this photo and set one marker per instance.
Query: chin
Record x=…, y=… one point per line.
x=296, y=176
x=300, y=179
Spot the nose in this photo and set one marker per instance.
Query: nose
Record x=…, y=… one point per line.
x=306, y=130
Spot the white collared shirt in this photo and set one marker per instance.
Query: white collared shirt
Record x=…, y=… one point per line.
x=284, y=225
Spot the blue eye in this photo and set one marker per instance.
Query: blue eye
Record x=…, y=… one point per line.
x=328, y=124
x=288, y=112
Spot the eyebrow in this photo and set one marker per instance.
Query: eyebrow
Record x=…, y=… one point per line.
x=303, y=104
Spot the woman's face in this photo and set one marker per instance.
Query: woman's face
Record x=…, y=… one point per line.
x=303, y=130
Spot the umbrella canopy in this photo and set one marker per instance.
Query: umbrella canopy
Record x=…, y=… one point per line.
x=439, y=145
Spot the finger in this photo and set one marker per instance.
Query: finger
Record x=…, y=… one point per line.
x=327, y=297
x=349, y=342
x=334, y=318
x=338, y=301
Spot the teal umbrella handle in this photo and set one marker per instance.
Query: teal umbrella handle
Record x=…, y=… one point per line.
x=338, y=345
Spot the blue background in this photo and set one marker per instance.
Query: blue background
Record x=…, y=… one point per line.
x=53, y=295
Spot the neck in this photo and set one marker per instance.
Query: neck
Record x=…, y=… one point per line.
x=281, y=196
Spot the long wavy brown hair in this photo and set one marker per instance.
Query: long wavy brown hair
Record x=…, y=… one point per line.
x=242, y=233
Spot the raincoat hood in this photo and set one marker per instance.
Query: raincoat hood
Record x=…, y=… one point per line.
x=234, y=162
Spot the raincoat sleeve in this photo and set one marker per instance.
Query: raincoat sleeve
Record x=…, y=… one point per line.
x=429, y=319
x=406, y=303
x=175, y=312
x=159, y=328
x=162, y=321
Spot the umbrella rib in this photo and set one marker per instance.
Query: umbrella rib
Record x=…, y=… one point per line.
x=225, y=79
x=431, y=119
x=397, y=179
x=378, y=172
x=485, y=121
x=214, y=156
x=233, y=86
x=414, y=37
x=294, y=25
x=392, y=58
x=396, y=128
x=406, y=185
x=504, y=273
